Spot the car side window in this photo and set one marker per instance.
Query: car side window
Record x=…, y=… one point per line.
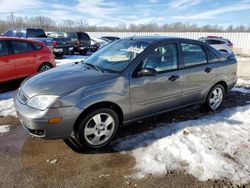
x=21, y=46
x=162, y=58
x=214, y=42
x=3, y=48
x=193, y=54
x=37, y=46
x=8, y=33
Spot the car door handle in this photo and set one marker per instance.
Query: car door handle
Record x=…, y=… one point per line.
x=208, y=70
x=173, y=78
x=6, y=61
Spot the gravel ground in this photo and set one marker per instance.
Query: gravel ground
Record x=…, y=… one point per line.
x=31, y=162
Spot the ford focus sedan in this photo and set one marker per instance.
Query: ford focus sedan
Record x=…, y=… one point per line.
x=130, y=79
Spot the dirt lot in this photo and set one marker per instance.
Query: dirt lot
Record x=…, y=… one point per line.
x=32, y=162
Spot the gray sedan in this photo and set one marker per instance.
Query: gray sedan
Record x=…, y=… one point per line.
x=128, y=80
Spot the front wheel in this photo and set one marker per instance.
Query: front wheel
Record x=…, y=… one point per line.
x=97, y=128
x=215, y=97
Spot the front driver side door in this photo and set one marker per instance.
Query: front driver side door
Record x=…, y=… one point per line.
x=163, y=91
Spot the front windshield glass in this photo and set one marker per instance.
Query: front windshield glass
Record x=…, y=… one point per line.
x=116, y=56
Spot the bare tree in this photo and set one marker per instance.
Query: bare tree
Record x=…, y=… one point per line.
x=48, y=24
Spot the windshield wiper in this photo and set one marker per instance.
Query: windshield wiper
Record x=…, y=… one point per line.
x=94, y=66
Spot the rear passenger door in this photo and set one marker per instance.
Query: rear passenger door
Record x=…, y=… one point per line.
x=7, y=63
x=25, y=58
x=198, y=74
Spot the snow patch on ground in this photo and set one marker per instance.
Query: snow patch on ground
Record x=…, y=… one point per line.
x=213, y=147
x=7, y=108
x=243, y=59
x=243, y=83
x=242, y=90
x=4, y=129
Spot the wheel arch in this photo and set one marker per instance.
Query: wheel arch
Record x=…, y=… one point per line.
x=103, y=104
x=43, y=64
x=223, y=83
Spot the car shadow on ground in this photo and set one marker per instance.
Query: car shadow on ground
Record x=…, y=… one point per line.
x=10, y=86
x=166, y=125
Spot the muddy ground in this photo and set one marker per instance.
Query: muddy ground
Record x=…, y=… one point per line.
x=30, y=162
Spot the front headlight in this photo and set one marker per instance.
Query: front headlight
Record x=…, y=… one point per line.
x=41, y=102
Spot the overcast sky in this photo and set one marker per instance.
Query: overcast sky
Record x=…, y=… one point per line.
x=111, y=12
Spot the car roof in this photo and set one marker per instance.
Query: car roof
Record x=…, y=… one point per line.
x=20, y=39
x=154, y=39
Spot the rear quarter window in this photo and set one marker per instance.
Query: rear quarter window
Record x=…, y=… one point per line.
x=193, y=54
x=37, y=46
x=36, y=33
x=9, y=33
x=83, y=36
x=72, y=35
x=214, y=42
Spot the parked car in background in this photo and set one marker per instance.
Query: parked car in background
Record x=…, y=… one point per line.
x=80, y=41
x=103, y=42
x=130, y=79
x=21, y=58
x=110, y=38
x=95, y=45
x=219, y=43
x=62, y=45
x=30, y=33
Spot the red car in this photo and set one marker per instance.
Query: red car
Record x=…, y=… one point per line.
x=22, y=57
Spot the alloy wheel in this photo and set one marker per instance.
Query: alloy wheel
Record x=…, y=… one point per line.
x=99, y=129
x=216, y=98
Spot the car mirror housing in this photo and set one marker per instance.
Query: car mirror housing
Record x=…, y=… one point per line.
x=147, y=72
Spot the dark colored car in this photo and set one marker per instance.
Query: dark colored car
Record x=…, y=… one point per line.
x=20, y=58
x=30, y=33
x=62, y=45
x=126, y=81
x=80, y=41
x=110, y=38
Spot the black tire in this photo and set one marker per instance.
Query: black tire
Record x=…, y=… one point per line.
x=83, y=52
x=45, y=66
x=87, y=121
x=209, y=105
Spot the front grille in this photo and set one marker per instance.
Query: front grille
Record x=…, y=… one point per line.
x=22, y=97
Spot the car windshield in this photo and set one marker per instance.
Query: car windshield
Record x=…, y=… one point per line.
x=116, y=56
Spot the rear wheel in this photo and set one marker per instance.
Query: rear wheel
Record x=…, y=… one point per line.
x=83, y=52
x=97, y=128
x=59, y=55
x=215, y=97
x=44, y=67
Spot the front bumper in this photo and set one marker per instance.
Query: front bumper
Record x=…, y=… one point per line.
x=36, y=121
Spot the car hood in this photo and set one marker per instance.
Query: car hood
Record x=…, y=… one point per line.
x=61, y=80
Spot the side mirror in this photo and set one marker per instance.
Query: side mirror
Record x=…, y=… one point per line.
x=147, y=72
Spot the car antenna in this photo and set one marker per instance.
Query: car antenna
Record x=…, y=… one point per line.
x=144, y=27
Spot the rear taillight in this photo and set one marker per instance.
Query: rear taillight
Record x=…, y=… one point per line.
x=54, y=43
x=230, y=45
x=78, y=43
